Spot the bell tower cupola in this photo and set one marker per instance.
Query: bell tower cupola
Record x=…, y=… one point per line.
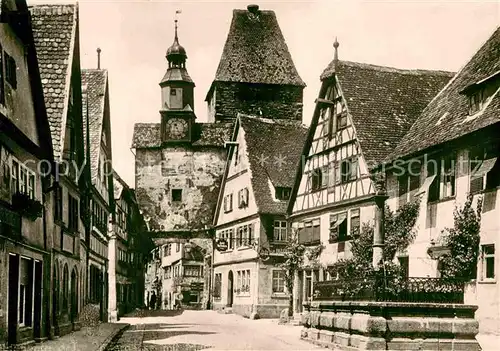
x=177, y=96
x=177, y=87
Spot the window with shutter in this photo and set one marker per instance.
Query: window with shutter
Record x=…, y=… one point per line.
x=316, y=179
x=324, y=179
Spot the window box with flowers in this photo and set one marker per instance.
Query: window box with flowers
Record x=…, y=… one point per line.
x=26, y=206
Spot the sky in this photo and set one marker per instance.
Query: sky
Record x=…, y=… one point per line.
x=135, y=34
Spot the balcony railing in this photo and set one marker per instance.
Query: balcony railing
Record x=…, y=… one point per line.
x=277, y=247
x=438, y=290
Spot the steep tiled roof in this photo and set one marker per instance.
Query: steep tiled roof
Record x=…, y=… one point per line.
x=176, y=74
x=256, y=52
x=54, y=31
x=147, y=135
x=119, y=185
x=273, y=149
x=384, y=102
x=96, y=82
x=446, y=117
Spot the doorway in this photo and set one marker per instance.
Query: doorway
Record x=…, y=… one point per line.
x=55, y=298
x=230, y=289
x=13, y=298
x=74, y=296
x=37, y=313
x=307, y=286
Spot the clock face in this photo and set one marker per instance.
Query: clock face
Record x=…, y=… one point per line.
x=177, y=128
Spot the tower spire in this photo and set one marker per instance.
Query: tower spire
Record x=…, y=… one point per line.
x=176, y=54
x=176, y=38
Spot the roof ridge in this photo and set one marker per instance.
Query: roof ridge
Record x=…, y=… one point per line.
x=146, y=123
x=449, y=101
x=457, y=74
x=396, y=69
x=104, y=70
x=45, y=7
x=285, y=123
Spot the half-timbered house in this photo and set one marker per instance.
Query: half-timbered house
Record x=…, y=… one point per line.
x=453, y=149
x=57, y=43
x=362, y=111
x=26, y=159
x=250, y=217
x=97, y=128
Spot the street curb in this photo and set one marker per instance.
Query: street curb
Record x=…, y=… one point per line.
x=113, y=336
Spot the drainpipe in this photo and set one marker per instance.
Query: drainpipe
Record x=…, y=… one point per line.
x=47, y=304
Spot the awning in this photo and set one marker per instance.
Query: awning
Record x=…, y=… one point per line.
x=426, y=184
x=484, y=168
x=340, y=219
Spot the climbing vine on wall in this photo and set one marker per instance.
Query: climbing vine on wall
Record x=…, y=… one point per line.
x=400, y=232
x=462, y=241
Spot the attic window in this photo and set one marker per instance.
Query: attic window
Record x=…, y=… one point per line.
x=476, y=102
x=283, y=193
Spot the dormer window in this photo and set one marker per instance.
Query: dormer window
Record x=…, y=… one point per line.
x=283, y=193
x=475, y=102
x=479, y=94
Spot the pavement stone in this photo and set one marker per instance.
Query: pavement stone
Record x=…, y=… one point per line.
x=208, y=330
x=95, y=338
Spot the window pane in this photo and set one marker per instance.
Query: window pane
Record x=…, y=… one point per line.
x=489, y=249
x=490, y=267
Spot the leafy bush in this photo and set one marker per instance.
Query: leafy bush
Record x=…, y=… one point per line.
x=463, y=242
x=399, y=230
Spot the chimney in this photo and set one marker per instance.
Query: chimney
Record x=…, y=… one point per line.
x=253, y=8
x=98, y=58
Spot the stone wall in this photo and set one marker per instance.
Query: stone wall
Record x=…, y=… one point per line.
x=391, y=326
x=197, y=172
x=268, y=101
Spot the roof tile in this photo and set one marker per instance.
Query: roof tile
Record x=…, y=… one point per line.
x=446, y=117
x=54, y=25
x=96, y=81
x=147, y=135
x=256, y=52
x=384, y=102
x=274, y=148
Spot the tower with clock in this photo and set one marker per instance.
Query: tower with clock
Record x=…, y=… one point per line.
x=177, y=97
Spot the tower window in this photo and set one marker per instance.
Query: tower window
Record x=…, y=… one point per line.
x=173, y=92
x=176, y=195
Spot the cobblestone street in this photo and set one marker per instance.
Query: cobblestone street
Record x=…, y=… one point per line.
x=208, y=330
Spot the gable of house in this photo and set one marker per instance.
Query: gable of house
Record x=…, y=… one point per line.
x=96, y=111
x=361, y=113
x=55, y=32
